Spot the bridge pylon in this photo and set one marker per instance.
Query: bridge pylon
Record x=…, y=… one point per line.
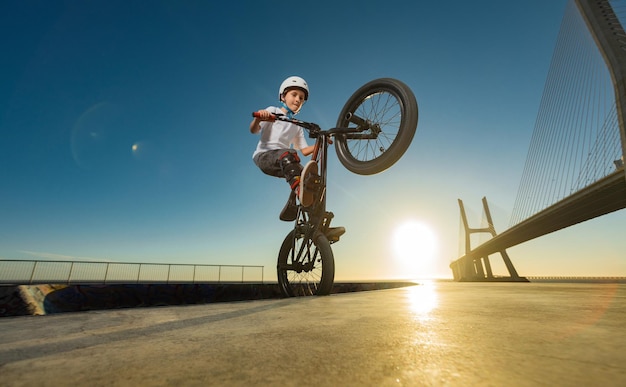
x=478, y=268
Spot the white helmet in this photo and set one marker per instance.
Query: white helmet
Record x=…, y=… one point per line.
x=294, y=82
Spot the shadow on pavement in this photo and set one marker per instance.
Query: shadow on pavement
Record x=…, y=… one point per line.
x=49, y=299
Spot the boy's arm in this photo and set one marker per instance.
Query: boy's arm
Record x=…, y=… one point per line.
x=264, y=115
x=307, y=150
x=254, y=125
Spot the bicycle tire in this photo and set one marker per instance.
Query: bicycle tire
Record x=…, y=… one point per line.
x=388, y=103
x=314, y=277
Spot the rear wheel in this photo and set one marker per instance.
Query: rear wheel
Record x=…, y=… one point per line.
x=388, y=109
x=306, y=267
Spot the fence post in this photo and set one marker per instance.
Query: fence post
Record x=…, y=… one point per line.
x=32, y=274
x=69, y=276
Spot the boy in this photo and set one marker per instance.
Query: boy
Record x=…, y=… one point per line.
x=274, y=153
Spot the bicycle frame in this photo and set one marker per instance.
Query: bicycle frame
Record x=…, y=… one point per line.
x=320, y=155
x=313, y=221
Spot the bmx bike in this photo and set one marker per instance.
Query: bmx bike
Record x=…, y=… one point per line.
x=374, y=129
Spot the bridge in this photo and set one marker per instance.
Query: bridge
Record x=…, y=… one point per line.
x=574, y=170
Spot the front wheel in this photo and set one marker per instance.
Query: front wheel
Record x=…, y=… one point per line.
x=306, y=267
x=387, y=109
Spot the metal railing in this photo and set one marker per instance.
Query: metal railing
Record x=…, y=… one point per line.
x=30, y=272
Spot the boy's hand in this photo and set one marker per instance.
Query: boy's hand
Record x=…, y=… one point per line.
x=264, y=115
x=261, y=115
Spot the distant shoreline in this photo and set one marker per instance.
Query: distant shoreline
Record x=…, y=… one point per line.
x=576, y=279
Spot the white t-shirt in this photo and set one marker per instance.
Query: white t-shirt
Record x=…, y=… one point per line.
x=279, y=135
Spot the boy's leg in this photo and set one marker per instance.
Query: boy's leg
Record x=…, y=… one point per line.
x=308, y=184
x=282, y=163
x=291, y=169
x=290, y=166
x=290, y=211
x=269, y=162
x=286, y=163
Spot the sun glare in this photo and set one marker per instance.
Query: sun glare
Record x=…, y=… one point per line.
x=423, y=299
x=415, y=246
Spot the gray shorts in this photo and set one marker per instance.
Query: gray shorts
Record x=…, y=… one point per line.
x=269, y=161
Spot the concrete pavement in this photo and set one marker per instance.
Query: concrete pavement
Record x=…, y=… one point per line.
x=432, y=334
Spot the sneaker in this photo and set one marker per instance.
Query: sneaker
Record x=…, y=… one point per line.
x=306, y=189
x=290, y=211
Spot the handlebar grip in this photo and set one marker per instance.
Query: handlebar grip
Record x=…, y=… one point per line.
x=271, y=117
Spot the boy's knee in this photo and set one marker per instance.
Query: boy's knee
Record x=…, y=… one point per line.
x=290, y=164
x=289, y=157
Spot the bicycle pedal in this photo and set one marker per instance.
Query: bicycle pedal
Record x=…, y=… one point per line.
x=333, y=233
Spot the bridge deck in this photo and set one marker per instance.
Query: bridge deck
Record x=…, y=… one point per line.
x=604, y=196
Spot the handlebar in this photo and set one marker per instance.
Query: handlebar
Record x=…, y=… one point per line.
x=315, y=130
x=277, y=116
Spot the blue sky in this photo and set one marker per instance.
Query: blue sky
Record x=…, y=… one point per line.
x=125, y=129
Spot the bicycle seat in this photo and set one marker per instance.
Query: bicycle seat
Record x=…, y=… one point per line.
x=333, y=233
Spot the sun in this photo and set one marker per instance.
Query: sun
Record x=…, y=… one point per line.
x=415, y=246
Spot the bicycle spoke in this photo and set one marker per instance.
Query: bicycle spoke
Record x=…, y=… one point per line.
x=384, y=110
x=390, y=108
x=305, y=266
